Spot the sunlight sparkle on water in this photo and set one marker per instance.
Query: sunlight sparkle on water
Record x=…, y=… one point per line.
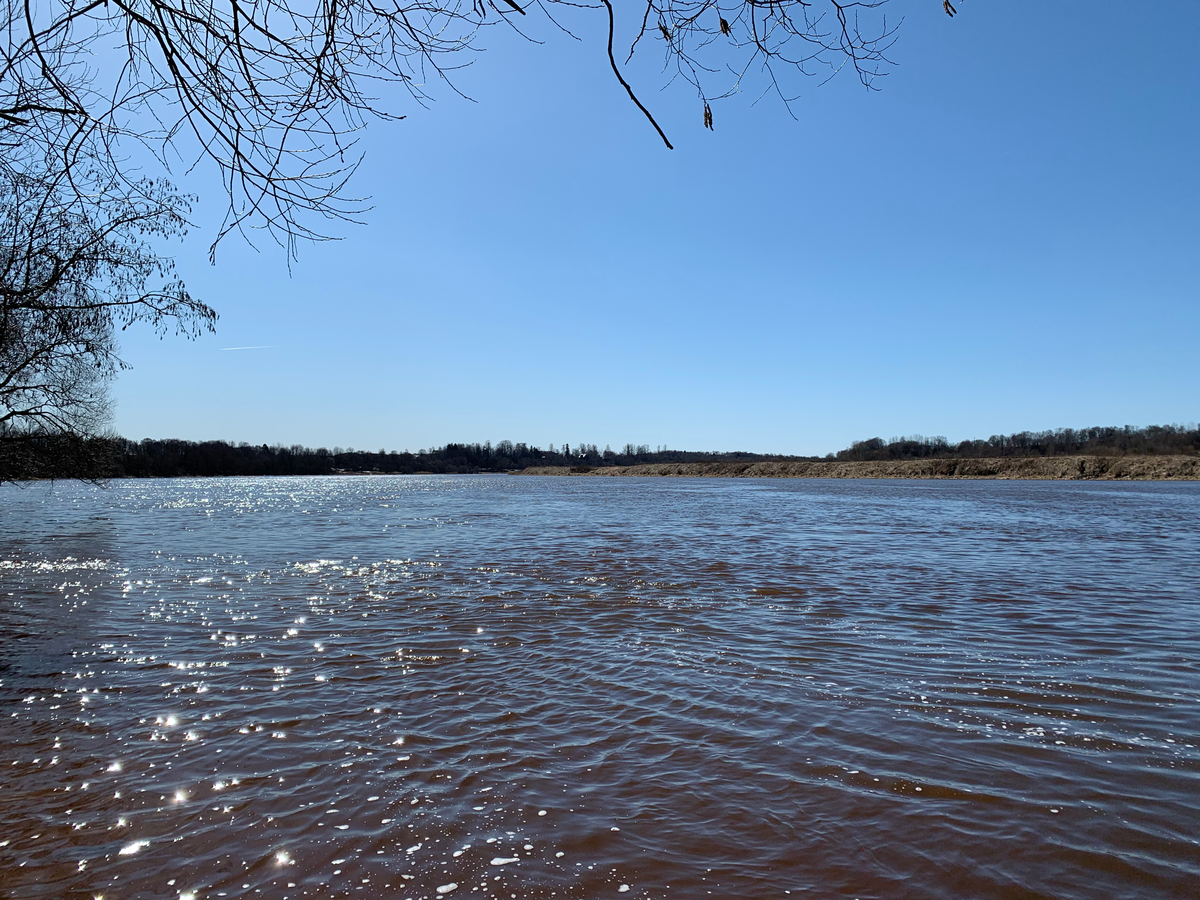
x=839, y=599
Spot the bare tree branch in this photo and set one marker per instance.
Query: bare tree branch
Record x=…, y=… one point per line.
x=616, y=71
x=275, y=92
x=75, y=268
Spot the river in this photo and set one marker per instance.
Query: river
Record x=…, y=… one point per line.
x=522, y=687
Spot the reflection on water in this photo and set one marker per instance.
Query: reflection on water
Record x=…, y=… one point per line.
x=422, y=687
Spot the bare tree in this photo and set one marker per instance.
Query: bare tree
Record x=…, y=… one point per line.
x=275, y=92
x=75, y=268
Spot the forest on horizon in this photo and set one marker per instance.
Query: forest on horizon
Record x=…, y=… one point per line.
x=44, y=456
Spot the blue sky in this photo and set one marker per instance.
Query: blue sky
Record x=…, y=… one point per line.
x=1005, y=237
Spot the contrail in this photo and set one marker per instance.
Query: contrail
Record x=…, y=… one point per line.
x=259, y=347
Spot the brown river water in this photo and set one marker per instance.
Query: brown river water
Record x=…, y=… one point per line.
x=517, y=687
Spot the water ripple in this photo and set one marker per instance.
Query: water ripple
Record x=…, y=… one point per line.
x=421, y=687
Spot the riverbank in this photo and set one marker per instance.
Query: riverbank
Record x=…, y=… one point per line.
x=1053, y=468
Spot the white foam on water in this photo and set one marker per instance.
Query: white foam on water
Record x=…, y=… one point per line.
x=447, y=888
x=504, y=860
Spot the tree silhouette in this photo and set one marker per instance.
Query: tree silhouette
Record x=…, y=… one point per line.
x=76, y=266
x=276, y=92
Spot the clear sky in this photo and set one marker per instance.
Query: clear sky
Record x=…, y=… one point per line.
x=1005, y=237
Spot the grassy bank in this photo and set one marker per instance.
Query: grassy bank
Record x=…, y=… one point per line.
x=1060, y=468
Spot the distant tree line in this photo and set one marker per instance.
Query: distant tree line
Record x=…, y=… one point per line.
x=62, y=456
x=69, y=456
x=57, y=455
x=1100, y=441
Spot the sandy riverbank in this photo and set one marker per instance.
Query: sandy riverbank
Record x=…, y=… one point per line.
x=1061, y=468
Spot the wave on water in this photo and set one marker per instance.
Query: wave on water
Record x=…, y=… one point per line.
x=418, y=687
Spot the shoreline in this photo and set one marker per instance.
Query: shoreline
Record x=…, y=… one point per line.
x=1052, y=468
